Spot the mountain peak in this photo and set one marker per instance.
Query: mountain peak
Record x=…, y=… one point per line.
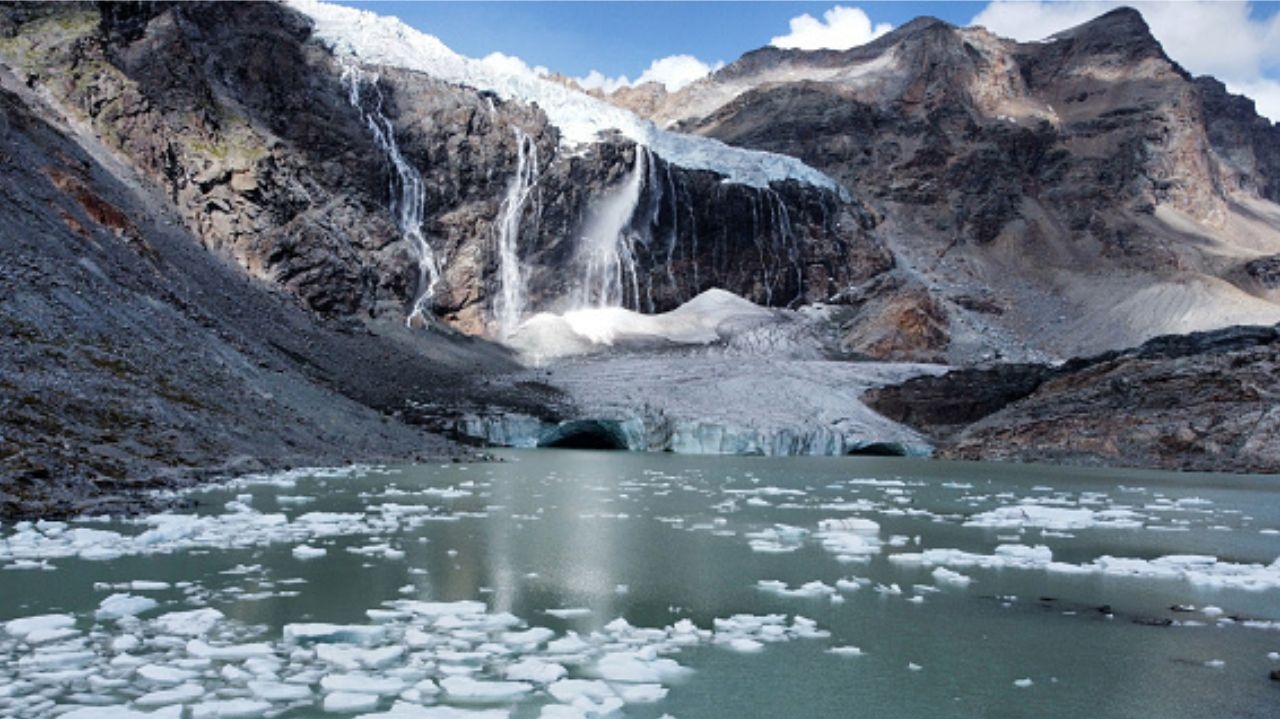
x=1124, y=24
x=1122, y=34
x=924, y=22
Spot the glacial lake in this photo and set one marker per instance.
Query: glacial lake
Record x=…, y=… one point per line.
x=563, y=583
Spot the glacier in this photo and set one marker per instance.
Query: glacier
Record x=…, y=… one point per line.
x=717, y=375
x=381, y=40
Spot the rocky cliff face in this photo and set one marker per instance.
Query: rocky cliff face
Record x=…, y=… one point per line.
x=1204, y=402
x=1067, y=196
x=132, y=358
x=201, y=245
x=211, y=217
x=250, y=127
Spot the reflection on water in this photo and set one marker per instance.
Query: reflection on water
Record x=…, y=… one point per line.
x=970, y=589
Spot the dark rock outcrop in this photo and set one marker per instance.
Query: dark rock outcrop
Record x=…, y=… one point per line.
x=1247, y=146
x=249, y=126
x=1265, y=271
x=1062, y=179
x=132, y=358
x=198, y=249
x=1205, y=401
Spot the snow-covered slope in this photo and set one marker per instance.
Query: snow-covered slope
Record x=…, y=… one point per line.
x=712, y=316
x=377, y=40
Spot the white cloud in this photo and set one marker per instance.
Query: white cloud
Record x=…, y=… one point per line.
x=1265, y=95
x=677, y=71
x=840, y=29
x=513, y=65
x=673, y=72
x=1207, y=38
x=596, y=80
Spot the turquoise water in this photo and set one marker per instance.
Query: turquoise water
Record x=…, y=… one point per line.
x=657, y=539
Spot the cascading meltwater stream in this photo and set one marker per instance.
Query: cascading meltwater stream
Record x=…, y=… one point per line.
x=510, y=303
x=607, y=254
x=408, y=193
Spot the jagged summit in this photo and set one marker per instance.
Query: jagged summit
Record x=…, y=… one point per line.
x=1120, y=36
x=767, y=58
x=1012, y=176
x=1122, y=22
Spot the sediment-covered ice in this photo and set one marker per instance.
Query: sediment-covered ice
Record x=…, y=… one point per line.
x=768, y=404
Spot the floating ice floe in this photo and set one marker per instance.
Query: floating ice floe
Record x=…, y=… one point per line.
x=1199, y=570
x=569, y=612
x=193, y=623
x=537, y=671
x=24, y=627
x=415, y=654
x=778, y=539
x=942, y=575
x=119, y=606
x=807, y=590
x=1028, y=514
x=303, y=551
x=850, y=538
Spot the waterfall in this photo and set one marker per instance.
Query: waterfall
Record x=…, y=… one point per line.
x=776, y=239
x=408, y=193
x=607, y=249
x=510, y=302
x=780, y=218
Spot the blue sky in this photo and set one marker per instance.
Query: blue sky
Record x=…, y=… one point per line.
x=1238, y=42
x=622, y=38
